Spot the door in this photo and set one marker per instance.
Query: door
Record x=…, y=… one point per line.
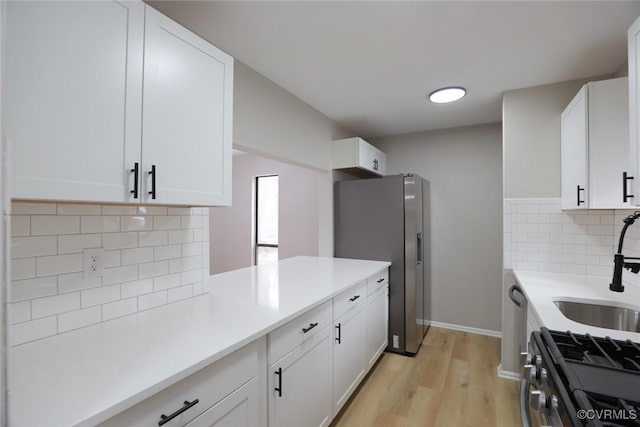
x=414, y=264
x=377, y=324
x=187, y=116
x=239, y=409
x=300, y=385
x=73, y=98
x=348, y=355
x=633, y=40
x=574, y=143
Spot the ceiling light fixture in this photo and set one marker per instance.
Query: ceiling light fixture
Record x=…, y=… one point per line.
x=447, y=94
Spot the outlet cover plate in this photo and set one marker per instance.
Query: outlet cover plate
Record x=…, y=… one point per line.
x=93, y=262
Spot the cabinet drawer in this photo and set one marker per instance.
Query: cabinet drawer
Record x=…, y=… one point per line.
x=289, y=336
x=209, y=385
x=376, y=281
x=350, y=298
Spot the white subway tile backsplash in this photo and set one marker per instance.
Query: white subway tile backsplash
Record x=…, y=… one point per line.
x=153, y=255
x=602, y=230
x=120, y=240
x=79, y=319
x=25, y=208
x=119, y=308
x=23, y=268
x=78, y=242
x=527, y=228
x=155, y=299
x=22, y=247
x=135, y=288
x=20, y=225
x=574, y=268
x=600, y=270
x=100, y=295
x=33, y=330
x=49, y=225
x=58, y=264
x=48, y=306
x=100, y=224
x=587, y=219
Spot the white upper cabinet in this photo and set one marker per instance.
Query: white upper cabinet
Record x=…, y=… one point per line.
x=187, y=116
x=633, y=39
x=74, y=98
x=595, y=147
x=357, y=156
x=81, y=125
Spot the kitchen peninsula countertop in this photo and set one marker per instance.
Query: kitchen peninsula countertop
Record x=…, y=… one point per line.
x=542, y=289
x=87, y=376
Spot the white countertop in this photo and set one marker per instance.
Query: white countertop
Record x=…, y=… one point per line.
x=86, y=376
x=542, y=289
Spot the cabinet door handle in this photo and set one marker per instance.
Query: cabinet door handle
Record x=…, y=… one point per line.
x=187, y=405
x=279, y=388
x=339, y=328
x=625, y=196
x=375, y=164
x=381, y=280
x=578, y=195
x=136, y=171
x=352, y=299
x=311, y=326
x=152, y=172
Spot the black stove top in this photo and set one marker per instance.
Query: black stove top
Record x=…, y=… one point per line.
x=601, y=374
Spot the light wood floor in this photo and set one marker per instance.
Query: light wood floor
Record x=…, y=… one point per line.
x=452, y=382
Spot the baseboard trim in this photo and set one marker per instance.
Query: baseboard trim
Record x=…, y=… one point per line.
x=479, y=331
x=507, y=375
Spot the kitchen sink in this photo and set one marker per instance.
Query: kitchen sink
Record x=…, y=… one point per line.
x=602, y=316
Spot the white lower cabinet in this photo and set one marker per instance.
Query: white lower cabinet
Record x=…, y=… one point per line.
x=348, y=355
x=300, y=384
x=377, y=324
x=230, y=389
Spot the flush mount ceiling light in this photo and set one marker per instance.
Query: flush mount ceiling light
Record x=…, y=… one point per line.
x=447, y=94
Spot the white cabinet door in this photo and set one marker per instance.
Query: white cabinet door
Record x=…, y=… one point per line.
x=187, y=116
x=574, y=135
x=377, y=325
x=348, y=355
x=633, y=40
x=73, y=98
x=240, y=409
x=300, y=385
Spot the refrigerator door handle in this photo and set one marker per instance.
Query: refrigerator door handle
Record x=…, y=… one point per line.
x=419, y=248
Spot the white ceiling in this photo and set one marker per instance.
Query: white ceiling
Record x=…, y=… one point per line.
x=370, y=65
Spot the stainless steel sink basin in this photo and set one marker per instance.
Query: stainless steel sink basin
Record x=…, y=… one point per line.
x=602, y=316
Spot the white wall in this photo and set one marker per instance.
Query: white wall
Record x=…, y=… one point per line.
x=299, y=227
x=463, y=166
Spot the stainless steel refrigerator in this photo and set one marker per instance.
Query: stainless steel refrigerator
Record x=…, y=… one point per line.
x=387, y=219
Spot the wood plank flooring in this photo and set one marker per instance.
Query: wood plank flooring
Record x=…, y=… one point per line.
x=452, y=382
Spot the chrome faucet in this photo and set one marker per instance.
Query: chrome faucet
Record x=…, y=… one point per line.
x=619, y=260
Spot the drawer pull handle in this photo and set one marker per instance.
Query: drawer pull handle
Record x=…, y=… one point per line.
x=187, y=405
x=339, y=328
x=354, y=298
x=279, y=388
x=311, y=326
x=381, y=280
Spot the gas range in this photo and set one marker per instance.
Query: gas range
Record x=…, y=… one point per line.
x=580, y=380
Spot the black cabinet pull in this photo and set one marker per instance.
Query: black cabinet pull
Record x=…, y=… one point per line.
x=578, y=195
x=152, y=172
x=352, y=299
x=381, y=280
x=166, y=418
x=311, y=326
x=339, y=328
x=625, y=196
x=136, y=171
x=279, y=388
x=375, y=164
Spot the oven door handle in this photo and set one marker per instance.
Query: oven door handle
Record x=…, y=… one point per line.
x=524, y=403
x=517, y=301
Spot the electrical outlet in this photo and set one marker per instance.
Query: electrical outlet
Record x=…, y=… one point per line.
x=396, y=341
x=93, y=262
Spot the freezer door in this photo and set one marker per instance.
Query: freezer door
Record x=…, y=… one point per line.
x=414, y=264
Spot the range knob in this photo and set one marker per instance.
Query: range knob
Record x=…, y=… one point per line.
x=529, y=372
x=542, y=374
x=538, y=360
x=538, y=400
